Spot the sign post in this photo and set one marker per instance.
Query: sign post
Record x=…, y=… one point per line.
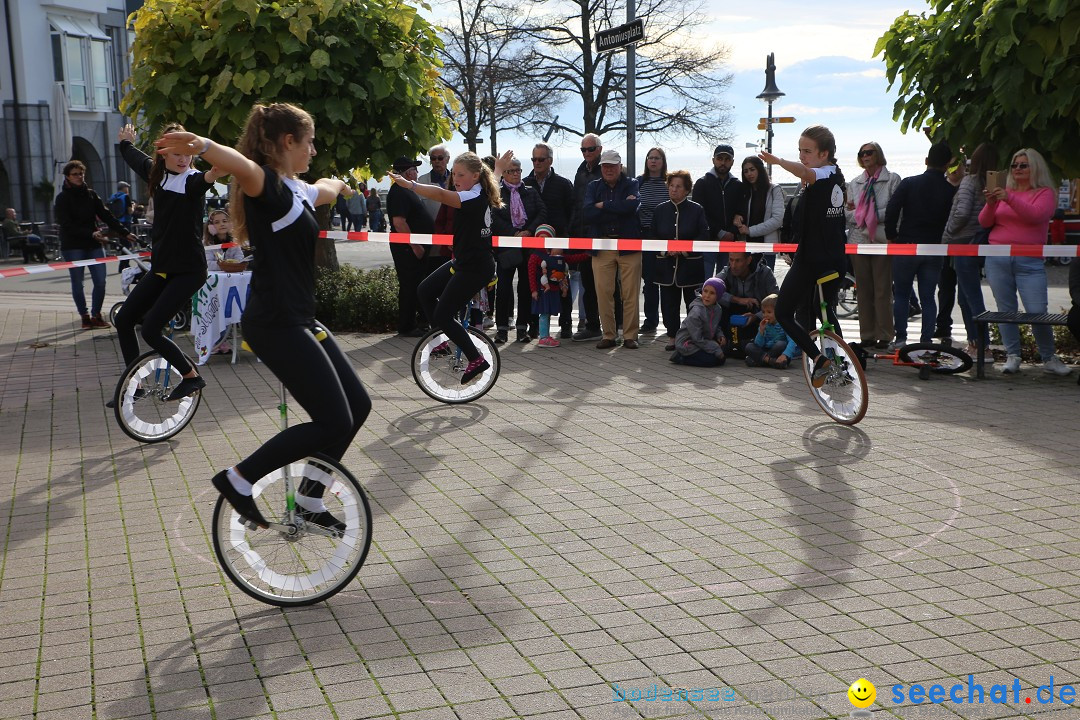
x=626, y=36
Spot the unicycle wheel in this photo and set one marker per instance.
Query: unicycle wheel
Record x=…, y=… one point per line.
x=439, y=373
x=844, y=396
x=935, y=358
x=296, y=561
x=141, y=408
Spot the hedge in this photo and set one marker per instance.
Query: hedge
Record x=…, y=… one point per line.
x=354, y=300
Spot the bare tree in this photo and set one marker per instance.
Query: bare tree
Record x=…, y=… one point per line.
x=679, y=83
x=487, y=70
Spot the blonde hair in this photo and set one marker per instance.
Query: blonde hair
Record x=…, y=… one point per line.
x=261, y=142
x=769, y=301
x=879, y=154
x=209, y=238
x=1040, y=172
x=474, y=164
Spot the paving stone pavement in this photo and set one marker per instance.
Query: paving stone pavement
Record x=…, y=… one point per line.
x=601, y=528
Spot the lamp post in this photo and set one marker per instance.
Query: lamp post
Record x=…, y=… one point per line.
x=770, y=94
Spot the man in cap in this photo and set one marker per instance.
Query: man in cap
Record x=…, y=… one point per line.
x=719, y=193
x=408, y=215
x=611, y=211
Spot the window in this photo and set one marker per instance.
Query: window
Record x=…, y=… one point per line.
x=82, y=60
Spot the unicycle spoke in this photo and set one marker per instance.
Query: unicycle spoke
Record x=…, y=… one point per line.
x=296, y=562
x=843, y=396
x=439, y=373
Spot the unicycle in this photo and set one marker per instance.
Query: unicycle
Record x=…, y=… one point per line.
x=139, y=399
x=843, y=396
x=437, y=365
x=296, y=561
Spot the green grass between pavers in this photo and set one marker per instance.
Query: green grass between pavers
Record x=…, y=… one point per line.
x=354, y=300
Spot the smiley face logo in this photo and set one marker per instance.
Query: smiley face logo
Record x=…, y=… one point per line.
x=862, y=693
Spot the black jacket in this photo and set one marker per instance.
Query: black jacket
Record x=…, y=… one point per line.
x=925, y=202
x=558, y=197
x=77, y=211
x=582, y=178
x=721, y=201
x=535, y=212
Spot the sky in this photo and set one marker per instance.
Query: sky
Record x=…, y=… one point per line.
x=824, y=64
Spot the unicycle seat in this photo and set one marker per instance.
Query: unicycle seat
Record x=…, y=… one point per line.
x=828, y=278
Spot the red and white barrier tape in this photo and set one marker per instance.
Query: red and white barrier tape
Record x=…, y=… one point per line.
x=66, y=265
x=536, y=243
x=713, y=246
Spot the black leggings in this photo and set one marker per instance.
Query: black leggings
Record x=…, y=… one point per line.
x=798, y=295
x=320, y=377
x=154, y=300
x=443, y=294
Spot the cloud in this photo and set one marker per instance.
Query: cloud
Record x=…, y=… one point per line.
x=868, y=73
x=833, y=110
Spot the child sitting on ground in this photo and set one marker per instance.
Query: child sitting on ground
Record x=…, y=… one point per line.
x=772, y=347
x=700, y=341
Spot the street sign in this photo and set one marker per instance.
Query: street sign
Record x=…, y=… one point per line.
x=621, y=36
x=766, y=121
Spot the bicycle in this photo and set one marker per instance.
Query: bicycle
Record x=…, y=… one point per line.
x=928, y=358
x=437, y=365
x=295, y=561
x=843, y=396
x=847, y=300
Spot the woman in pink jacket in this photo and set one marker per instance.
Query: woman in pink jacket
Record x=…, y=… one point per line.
x=1019, y=214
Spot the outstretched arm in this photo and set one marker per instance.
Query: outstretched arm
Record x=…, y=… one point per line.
x=227, y=161
x=795, y=168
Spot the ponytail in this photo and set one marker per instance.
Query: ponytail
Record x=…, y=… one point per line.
x=473, y=163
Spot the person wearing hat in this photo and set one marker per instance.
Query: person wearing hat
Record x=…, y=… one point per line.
x=720, y=193
x=700, y=341
x=408, y=215
x=611, y=211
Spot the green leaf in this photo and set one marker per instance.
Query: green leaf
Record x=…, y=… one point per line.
x=392, y=60
x=320, y=58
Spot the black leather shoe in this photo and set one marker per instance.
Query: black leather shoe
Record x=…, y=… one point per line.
x=244, y=505
x=187, y=386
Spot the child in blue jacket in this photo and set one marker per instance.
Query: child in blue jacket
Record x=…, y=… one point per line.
x=772, y=347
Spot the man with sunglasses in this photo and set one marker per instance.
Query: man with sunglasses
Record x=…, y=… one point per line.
x=439, y=156
x=587, y=172
x=917, y=213
x=557, y=193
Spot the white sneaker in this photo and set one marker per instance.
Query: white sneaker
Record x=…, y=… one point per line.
x=1056, y=367
x=1012, y=365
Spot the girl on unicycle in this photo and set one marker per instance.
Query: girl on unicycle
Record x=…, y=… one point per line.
x=820, y=217
x=273, y=208
x=177, y=260
x=448, y=289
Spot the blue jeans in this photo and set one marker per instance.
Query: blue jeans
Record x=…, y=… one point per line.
x=905, y=271
x=651, y=309
x=1026, y=276
x=969, y=293
x=97, y=276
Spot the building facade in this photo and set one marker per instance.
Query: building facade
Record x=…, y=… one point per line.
x=82, y=46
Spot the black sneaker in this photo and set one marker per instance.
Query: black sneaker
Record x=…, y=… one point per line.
x=586, y=335
x=475, y=368
x=139, y=395
x=323, y=519
x=648, y=329
x=523, y=337
x=566, y=334
x=821, y=371
x=187, y=386
x=500, y=337
x=244, y=505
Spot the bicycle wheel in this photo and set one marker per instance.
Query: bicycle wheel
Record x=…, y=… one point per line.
x=847, y=302
x=937, y=358
x=439, y=375
x=844, y=396
x=141, y=408
x=294, y=562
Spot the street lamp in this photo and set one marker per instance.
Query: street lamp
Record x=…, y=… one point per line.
x=770, y=94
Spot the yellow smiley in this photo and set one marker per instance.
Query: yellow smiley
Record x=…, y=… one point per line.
x=862, y=693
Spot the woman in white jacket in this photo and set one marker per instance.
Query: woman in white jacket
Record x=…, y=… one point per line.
x=761, y=212
x=867, y=196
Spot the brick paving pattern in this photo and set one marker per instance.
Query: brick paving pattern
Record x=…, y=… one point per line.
x=601, y=522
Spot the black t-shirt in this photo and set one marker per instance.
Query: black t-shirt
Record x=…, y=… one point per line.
x=472, y=227
x=820, y=217
x=402, y=202
x=282, y=228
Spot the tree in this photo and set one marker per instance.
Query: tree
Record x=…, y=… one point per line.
x=1005, y=71
x=485, y=70
x=366, y=70
x=679, y=84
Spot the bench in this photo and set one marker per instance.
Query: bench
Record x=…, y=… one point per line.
x=1012, y=318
